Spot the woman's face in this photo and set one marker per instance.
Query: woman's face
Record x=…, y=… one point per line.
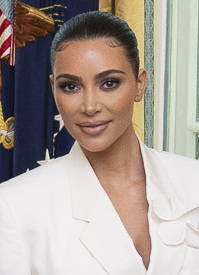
x=95, y=90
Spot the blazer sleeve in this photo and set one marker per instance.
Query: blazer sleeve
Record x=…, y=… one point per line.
x=13, y=259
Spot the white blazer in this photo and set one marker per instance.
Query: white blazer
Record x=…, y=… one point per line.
x=58, y=220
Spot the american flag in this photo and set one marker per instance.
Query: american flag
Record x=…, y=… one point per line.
x=7, y=42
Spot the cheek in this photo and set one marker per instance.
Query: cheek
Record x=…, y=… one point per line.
x=64, y=105
x=124, y=105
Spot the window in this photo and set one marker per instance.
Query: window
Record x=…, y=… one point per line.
x=181, y=93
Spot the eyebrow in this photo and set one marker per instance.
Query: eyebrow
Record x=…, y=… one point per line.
x=98, y=76
x=69, y=76
x=108, y=72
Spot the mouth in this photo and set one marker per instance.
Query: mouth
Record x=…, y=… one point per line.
x=94, y=127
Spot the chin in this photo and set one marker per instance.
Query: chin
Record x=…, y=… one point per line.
x=95, y=147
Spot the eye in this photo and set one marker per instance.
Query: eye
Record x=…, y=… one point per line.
x=68, y=87
x=110, y=84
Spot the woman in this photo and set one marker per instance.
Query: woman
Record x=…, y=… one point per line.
x=112, y=206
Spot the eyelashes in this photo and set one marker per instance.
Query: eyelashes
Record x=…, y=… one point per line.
x=111, y=84
x=105, y=85
x=68, y=87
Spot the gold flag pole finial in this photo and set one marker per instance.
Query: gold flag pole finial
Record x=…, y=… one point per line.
x=6, y=130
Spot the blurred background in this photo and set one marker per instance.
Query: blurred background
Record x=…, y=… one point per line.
x=31, y=129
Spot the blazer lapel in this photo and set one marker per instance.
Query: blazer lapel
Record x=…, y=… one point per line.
x=173, y=212
x=107, y=240
x=104, y=236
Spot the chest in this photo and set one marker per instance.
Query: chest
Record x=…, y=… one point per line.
x=132, y=208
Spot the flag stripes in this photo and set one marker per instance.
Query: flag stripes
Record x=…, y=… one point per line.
x=6, y=38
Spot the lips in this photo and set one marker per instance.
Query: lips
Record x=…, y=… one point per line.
x=94, y=127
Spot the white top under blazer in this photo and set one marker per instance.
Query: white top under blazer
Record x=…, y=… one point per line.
x=58, y=220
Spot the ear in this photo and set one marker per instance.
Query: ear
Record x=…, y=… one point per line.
x=141, y=82
x=51, y=77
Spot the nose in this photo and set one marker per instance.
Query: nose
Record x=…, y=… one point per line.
x=90, y=103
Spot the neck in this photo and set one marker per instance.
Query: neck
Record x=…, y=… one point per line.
x=120, y=163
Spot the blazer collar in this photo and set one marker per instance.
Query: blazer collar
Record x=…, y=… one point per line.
x=174, y=208
x=168, y=201
x=85, y=187
x=105, y=236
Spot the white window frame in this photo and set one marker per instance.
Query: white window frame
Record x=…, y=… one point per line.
x=192, y=125
x=160, y=20
x=183, y=78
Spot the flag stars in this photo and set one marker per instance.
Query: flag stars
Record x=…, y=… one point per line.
x=60, y=120
x=47, y=159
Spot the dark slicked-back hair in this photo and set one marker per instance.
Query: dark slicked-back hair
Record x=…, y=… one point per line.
x=95, y=25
